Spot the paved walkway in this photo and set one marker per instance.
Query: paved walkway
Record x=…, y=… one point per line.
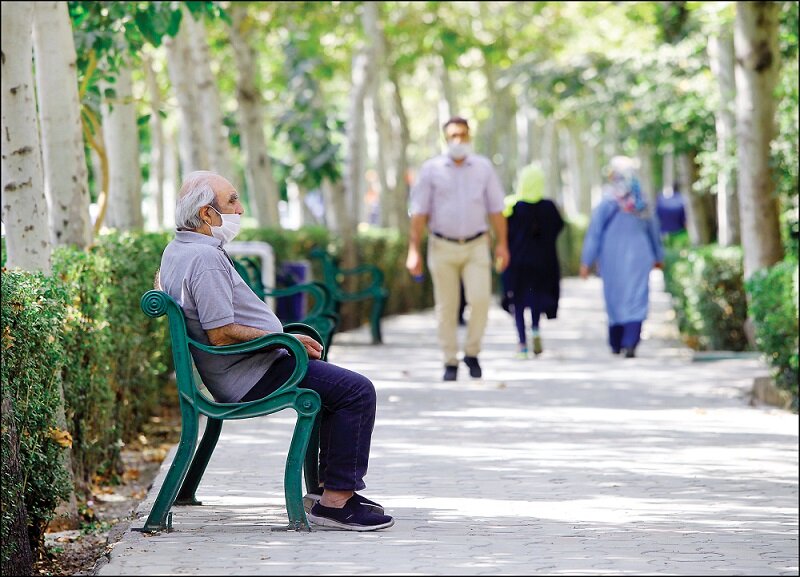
x=574, y=463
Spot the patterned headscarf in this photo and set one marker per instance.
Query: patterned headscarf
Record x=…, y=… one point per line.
x=623, y=185
x=530, y=188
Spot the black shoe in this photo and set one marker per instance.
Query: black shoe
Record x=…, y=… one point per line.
x=312, y=498
x=630, y=352
x=615, y=351
x=474, y=368
x=450, y=372
x=352, y=517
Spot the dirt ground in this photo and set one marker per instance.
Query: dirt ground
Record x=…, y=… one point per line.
x=109, y=511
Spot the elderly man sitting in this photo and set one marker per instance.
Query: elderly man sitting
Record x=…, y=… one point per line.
x=220, y=309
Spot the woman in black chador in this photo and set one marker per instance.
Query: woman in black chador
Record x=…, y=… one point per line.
x=533, y=277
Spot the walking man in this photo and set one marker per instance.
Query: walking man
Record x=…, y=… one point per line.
x=458, y=196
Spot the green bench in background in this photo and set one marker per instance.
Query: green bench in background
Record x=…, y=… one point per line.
x=334, y=279
x=321, y=316
x=182, y=479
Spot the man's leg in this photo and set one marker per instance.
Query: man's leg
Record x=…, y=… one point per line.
x=445, y=269
x=478, y=291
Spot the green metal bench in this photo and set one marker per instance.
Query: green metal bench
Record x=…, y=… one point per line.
x=182, y=478
x=334, y=279
x=322, y=315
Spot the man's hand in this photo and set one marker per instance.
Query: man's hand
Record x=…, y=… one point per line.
x=501, y=257
x=584, y=271
x=313, y=348
x=414, y=262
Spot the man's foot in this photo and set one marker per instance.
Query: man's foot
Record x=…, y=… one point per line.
x=352, y=517
x=450, y=372
x=474, y=368
x=537, y=345
x=312, y=498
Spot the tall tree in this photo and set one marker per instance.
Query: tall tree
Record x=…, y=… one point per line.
x=24, y=204
x=720, y=48
x=121, y=135
x=262, y=190
x=66, y=182
x=757, y=67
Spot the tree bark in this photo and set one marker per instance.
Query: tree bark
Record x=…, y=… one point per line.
x=697, y=209
x=24, y=206
x=757, y=67
x=213, y=128
x=720, y=49
x=66, y=182
x=156, y=180
x=552, y=163
x=193, y=153
x=121, y=135
x=400, y=193
x=262, y=190
x=20, y=561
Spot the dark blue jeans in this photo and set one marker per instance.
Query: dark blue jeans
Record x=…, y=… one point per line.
x=347, y=418
x=625, y=335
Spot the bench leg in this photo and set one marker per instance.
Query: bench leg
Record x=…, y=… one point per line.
x=378, y=304
x=186, y=495
x=307, y=407
x=157, y=520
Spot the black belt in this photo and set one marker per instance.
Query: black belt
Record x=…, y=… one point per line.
x=459, y=240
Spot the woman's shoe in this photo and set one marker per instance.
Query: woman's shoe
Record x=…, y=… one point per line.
x=522, y=352
x=537, y=345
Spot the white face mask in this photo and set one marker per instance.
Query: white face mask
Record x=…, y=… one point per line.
x=229, y=229
x=458, y=150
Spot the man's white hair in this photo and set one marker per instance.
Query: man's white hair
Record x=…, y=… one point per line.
x=196, y=192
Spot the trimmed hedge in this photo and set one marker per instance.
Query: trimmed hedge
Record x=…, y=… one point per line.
x=33, y=308
x=707, y=287
x=773, y=296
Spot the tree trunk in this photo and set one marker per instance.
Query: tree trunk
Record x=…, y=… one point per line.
x=66, y=182
x=400, y=192
x=646, y=174
x=20, y=560
x=354, y=168
x=193, y=153
x=697, y=209
x=720, y=49
x=448, y=102
x=121, y=134
x=262, y=190
x=24, y=206
x=156, y=180
x=757, y=66
x=214, y=130
x=552, y=163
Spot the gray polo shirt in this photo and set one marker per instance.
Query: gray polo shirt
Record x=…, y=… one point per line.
x=198, y=274
x=457, y=199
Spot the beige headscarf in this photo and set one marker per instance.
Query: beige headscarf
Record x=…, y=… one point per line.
x=530, y=188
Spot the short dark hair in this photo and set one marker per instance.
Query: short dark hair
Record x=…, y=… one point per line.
x=455, y=120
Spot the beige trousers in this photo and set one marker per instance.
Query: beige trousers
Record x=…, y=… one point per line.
x=449, y=263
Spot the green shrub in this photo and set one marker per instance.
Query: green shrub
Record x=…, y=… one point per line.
x=33, y=356
x=773, y=307
x=88, y=344
x=708, y=290
x=140, y=360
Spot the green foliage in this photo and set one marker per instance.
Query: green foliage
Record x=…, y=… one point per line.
x=773, y=296
x=33, y=354
x=306, y=124
x=707, y=286
x=140, y=362
x=88, y=344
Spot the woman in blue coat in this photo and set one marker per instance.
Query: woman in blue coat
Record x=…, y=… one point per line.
x=624, y=241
